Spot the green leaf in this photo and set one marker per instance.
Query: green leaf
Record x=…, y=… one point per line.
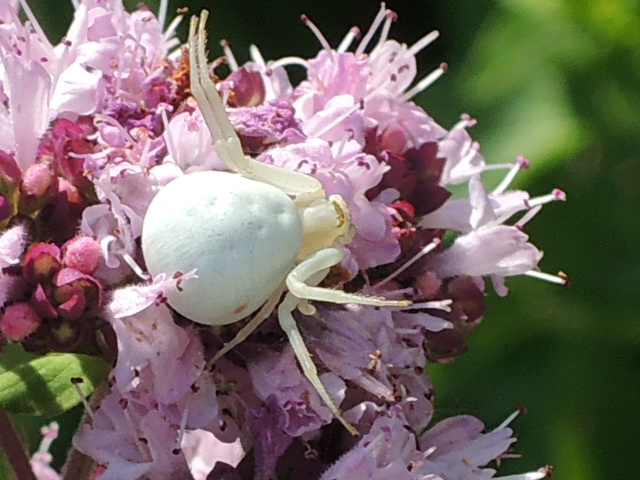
x=13, y=355
x=43, y=385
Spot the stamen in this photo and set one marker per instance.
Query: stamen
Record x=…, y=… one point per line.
x=284, y=61
x=143, y=160
x=85, y=403
x=508, y=420
x=162, y=12
x=556, y=195
x=465, y=122
x=423, y=251
x=135, y=267
x=146, y=456
x=36, y=26
x=316, y=31
x=443, y=305
x=352, y=34
x=520, y=163
x=61, y=65
x=231, y=59
x=348, y=135
x=528, y=216
x=109, y=259
x=49, y=434
x=257, y=57
x=424, y=83
x=168, y=137
x=183, y=425
x=384, y=34
x=424, y=42
x=134, y=61
x=560, y=279
x=382, y=13
x=544, y=472
x=167, y=37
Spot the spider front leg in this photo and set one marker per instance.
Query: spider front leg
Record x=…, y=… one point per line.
x=301, y=284
x=225, y=140
x=288, y=324
x=321, y=261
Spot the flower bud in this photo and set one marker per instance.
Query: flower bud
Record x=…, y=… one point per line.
x=39, y=185
x=41, y=262
x=247, y=87
x=19, y=321
x=82, y=253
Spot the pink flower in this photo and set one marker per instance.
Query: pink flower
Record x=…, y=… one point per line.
x=93, y=128
x=19, y=321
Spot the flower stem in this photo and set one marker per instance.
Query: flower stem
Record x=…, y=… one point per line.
x=14, y=449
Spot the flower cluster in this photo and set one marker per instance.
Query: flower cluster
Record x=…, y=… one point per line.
x=93, y=128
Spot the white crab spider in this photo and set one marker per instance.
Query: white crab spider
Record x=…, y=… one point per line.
x=248, y=233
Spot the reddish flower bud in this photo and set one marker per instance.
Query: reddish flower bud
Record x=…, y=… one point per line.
x=42, y=304
x=19, y=321
x=73, y=308
x=38, y=180
x=9, y=170
x=38, y=187
x=60, y=218
x=393, y=140
x=82, y=253
x=41, y=263
x=71, y=283
x=247, y=87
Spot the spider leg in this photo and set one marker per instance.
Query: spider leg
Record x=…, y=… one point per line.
x=288, y=324
x=248, y=329
x=225, y=139
x=323, y=260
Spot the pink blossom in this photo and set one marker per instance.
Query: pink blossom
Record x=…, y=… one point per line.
x=41, y=460
x=81, y=253
x=93, y=128
x=19, y=321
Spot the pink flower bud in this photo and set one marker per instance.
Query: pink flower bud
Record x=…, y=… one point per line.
x=72, y=283
x=19, y=321
x=9, y=170
x=394, y=140
x=41, y=262
x=38, y=179
x=82, y=253
x=39, y=185
x=247, y=87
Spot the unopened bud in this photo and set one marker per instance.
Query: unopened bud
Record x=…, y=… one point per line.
x=19, y=321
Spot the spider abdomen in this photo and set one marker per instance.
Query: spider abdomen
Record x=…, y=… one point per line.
x=242, y=236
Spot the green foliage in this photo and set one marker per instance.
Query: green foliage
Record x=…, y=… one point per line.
x=43, y=385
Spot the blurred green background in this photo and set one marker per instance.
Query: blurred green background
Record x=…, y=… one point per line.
x=559, y=82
